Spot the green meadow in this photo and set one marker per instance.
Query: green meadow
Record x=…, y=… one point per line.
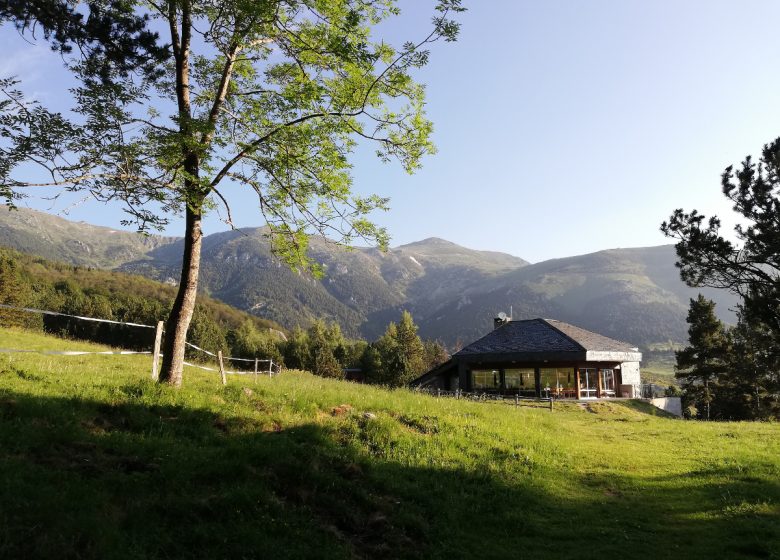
x=97, y=461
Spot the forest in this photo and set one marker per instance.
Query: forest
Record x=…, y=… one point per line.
x=394, y=359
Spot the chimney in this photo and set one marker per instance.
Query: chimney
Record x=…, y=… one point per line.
x=501, y=320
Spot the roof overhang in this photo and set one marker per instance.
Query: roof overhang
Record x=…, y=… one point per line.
x=541, y=357
x=449, y=366
x=523, y=357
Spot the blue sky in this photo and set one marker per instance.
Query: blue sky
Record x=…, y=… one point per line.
x=563, y=127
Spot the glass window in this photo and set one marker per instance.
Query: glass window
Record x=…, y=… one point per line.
x=522, y=379
x=485, y=379
x=558, y=381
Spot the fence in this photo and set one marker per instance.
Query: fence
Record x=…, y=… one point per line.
x=483, y=397
x=271, y=369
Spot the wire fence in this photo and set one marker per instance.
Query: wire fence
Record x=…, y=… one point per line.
x=269, y=367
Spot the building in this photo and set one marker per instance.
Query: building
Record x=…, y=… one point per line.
x=539, y=358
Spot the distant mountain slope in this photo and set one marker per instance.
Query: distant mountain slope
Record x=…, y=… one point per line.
x=361, y=289
x=630, y=294
x=75, y=243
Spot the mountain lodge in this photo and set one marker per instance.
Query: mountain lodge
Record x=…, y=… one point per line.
x=540, y=358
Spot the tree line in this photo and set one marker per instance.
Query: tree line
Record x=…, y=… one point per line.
x=25, y=281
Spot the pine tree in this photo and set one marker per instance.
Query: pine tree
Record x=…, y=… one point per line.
x=435, y=354
x=705, y=359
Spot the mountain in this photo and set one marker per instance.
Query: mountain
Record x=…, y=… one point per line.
x=629, y=294
x=453, y=292
x=362, y=289
x=77, y=243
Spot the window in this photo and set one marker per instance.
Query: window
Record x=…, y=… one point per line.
x=558, y=382
x=486, y=379
x=522, y=379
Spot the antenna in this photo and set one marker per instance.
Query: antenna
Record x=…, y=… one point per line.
x=510, y=313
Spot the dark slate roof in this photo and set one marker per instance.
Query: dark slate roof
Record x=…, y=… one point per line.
x=542, y=335
x=589, y=340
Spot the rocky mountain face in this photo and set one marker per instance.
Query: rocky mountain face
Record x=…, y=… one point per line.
x=362, y=289
x=453, y=292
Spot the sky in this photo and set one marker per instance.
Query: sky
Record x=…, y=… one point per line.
x=563, y=127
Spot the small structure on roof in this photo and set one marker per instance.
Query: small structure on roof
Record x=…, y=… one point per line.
x=541, y=358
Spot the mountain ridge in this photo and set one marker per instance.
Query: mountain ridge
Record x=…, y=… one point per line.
x=452, y=291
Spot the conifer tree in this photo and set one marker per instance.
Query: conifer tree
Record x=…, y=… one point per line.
x=705, y=359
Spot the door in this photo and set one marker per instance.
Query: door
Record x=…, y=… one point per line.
x=588, y=383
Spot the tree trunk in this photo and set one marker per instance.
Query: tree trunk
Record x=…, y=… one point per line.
x=179, y=320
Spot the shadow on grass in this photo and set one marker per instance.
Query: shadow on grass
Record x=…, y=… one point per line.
x=87, y=479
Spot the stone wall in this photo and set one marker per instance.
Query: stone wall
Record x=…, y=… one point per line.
x=629, y=373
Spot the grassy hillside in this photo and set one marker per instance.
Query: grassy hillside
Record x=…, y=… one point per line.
x=98, y=462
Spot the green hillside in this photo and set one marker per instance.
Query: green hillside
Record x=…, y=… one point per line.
x=98, y=462
x=29, y=281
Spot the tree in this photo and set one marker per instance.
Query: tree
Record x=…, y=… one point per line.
x=750, y=268
x=398, y=356
x=108, y=32
x=269, y=95
x=13, y=292
x=752, y=387
x=435, y=354
x=296, y=350
x=323, y=362
x=248, y=342
x=412, y=352
x=705, y=359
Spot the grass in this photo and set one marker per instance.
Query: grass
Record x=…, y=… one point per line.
x=99, y=462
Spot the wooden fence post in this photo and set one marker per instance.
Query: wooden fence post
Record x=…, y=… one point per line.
x=221, y=367
x=156, y=353
x=551, y=404
x=517, y=401
x=255, y=370
x=270, y=369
